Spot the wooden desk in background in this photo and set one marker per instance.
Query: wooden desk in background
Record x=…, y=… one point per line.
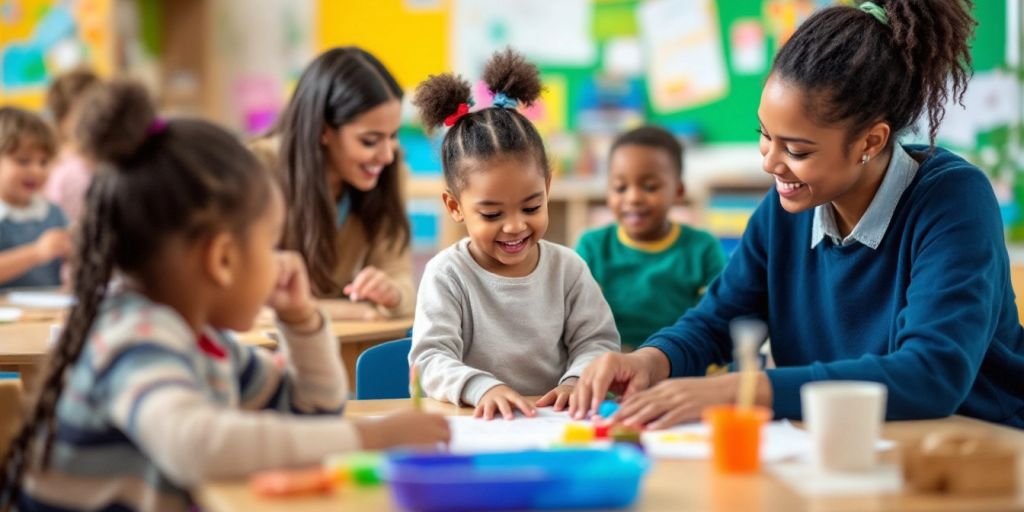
x=671, y=484
x=24, y=345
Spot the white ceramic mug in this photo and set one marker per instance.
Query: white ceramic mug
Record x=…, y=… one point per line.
x=844, y=419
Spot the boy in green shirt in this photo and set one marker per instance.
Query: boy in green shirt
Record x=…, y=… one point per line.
x=651, y=269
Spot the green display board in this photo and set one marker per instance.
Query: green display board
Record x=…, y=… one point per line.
x=733, y=117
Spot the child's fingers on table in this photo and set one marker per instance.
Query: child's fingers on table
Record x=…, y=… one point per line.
x=505, y=407
x=547, y=399
x=562, y=399
x=524, y=405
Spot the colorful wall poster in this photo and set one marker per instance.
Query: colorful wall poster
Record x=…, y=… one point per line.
x=685, y=62
x=41, y=38
x=747, y=48
x=548, y=33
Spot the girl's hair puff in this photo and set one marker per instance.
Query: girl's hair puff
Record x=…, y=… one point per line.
x=494, y=132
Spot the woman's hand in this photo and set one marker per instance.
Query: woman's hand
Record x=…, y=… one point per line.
x=622, y=374
x=375, y=286
x=676, y=401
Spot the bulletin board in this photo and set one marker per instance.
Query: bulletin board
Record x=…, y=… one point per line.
x=40, y=38
x=420, y=34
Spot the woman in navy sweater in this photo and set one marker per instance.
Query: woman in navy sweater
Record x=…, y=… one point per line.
x=870, y=260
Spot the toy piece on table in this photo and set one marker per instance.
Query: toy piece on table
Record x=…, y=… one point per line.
x=360, y=468
x=621, y=434
x=578, y=433
x=958, y=462
x=607, y=409
x=602, y=430
x=290, y=482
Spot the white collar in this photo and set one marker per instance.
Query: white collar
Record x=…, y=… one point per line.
x=36, y=210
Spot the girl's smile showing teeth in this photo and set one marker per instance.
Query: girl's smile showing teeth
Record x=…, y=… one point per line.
x=513, y=246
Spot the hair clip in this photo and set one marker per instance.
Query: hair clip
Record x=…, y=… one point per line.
x=502, y=100
x=156, y=127
x=459, y=112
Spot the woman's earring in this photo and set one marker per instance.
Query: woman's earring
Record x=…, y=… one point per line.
x=864, y=158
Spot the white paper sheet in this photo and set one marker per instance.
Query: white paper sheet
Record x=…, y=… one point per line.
x=8, y=315
x=55, y=300
x=473, y=435
x=782, y=440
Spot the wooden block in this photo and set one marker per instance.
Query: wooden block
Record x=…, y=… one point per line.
x=958, y=462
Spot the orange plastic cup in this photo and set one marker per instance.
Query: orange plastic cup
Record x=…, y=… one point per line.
x=736, y=437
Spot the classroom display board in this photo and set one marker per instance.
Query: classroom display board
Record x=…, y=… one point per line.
x=40, y=38
x=696, y=66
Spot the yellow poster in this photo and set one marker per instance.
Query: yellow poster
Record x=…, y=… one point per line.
x=41, y=38
x=409, y=37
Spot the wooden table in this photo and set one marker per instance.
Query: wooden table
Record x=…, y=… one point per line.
x=670, y=486
x=24, y=345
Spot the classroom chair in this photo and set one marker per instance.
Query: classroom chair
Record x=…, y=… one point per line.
x=10, y=408
x=383, y=371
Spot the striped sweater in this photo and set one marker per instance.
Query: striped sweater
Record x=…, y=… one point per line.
x=151, y=410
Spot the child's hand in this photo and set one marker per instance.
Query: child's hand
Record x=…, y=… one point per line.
x=373, y=285
x=502, y=398
x=404, y=428
x=53, y=243
x=291, y=299
x=561, y=397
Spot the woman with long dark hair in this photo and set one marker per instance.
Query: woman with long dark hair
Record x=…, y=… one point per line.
x=336, y=148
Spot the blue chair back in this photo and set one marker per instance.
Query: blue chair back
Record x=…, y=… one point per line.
x=382, y=371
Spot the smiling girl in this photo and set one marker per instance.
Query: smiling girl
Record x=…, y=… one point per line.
x=502, y=314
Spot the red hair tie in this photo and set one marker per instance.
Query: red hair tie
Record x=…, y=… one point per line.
x=459, y=112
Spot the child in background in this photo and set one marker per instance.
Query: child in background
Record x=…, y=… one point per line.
x=33, y=238
x=502, y=313
x=159, y=398
x=70, y=174
x=650, y=269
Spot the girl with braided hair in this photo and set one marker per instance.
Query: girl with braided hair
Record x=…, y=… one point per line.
x=145, y=394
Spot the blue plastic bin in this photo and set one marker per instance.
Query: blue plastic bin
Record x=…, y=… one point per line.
x=549, y=479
